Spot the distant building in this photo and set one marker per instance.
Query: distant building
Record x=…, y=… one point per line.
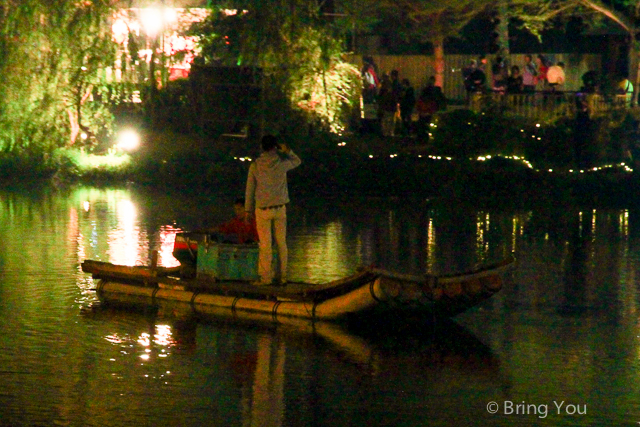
x=150, y=46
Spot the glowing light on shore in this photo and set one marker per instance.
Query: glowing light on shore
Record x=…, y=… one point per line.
x=128, y=140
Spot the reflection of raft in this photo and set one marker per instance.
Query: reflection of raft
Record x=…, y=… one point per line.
x=366, y=292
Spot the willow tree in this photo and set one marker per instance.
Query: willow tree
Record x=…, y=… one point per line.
x=294, y=45
x=533, y=15
x=434, y=21
x=51, y=54
x=352, y=17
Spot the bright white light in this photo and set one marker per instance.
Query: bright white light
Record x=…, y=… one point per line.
x=128, y=140
x=120, y=31
x=170, y=15
x=232, y=12
x=151, y=20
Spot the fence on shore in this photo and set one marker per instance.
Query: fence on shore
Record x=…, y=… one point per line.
x=548, y=105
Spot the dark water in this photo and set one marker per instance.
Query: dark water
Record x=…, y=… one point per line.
x=563, y=333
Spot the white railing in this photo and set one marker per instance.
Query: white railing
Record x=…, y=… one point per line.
x=547, y=105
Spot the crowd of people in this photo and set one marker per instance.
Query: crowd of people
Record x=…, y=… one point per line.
x=396, y=101
x=397, y=104
x=538, y=75
x=534, y=75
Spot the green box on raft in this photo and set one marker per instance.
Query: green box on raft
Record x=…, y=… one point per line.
x=226, y=261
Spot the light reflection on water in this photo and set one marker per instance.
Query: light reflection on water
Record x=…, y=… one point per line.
x=565, y=327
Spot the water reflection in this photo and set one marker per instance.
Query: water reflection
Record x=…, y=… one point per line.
x=267, y=403
x=126, y=240
x=588, y=251
x=565, y=326
x=576, y=269
x=290, y=374
x=110, y=227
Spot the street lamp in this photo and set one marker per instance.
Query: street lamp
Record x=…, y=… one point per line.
x=155, y=21
x=151, y=21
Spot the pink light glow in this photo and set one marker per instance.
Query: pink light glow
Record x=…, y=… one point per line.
x=168, y=23
x=165, y=254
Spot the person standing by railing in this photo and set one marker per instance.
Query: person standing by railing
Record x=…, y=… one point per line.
x=467, y=72
x=500, y=73
x=625, y=91
x=542, y=66
x=370, y=83
x=475, y=84
x=387, y=106
x=515, y=81
x=430, y=101
x=529, y=73
x=407, y=104
x=556, y=76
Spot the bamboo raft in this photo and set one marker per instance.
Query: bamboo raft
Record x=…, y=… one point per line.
x=365, y=293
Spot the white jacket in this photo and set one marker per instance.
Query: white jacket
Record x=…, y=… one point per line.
x=267, y=180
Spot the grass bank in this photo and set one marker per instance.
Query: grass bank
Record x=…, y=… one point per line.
x=474, y=158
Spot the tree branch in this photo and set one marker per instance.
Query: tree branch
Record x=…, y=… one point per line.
x=611, y=14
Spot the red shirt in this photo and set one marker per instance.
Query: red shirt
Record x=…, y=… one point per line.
x=246, y=232
x=542, y=73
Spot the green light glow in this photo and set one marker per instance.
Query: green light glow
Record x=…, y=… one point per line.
x=323, y=84
x=107, y=161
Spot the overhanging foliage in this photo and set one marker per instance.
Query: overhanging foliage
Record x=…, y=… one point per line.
x=50, y=58
x=295, y=46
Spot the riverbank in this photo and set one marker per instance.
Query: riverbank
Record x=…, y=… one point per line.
x=461, y=163
x=359, y=166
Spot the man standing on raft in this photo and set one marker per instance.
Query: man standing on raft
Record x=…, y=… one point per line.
x=267, y=195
